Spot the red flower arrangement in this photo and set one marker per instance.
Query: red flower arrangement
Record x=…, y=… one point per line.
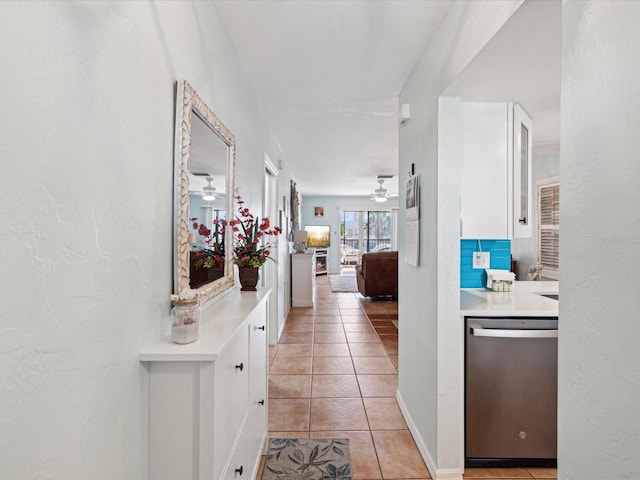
x=248, y=234
x=211, y=254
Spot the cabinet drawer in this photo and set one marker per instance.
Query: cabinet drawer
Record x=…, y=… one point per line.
x=257, y=420
x=239, y=466
x=257, y=346
x=231, y=395
x=246, y=455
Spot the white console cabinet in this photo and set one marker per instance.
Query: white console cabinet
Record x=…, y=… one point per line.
x=496, y=171
x=303, y=278
x=208, y=399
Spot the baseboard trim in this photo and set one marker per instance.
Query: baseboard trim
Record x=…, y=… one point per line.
x=436, y=474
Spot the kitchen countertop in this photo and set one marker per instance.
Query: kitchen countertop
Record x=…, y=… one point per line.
x=523, y=301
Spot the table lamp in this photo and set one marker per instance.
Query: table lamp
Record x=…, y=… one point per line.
x=300, y=238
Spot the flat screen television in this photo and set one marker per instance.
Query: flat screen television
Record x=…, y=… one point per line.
x=319, y=236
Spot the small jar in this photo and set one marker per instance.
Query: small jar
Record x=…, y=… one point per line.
x=185, y=316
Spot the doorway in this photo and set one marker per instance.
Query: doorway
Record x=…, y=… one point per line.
x=270, y=271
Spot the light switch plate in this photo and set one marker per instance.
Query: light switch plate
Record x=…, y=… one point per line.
x=481, y=259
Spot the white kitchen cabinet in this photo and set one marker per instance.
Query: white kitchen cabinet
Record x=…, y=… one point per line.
x=522, y=171
x=208, y=400
x=496, y=171
x=303, y=278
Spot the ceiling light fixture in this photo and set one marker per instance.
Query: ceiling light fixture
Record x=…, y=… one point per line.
x=380, y=194
x=209, y=192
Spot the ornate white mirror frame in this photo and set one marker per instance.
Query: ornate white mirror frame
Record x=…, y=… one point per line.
x=188, y=103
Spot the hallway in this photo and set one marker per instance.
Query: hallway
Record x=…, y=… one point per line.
x=331, y=375
x=334, y=374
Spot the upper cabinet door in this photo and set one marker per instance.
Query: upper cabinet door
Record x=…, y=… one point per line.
x=486, y=167
x=496, y=171
x=522, y=159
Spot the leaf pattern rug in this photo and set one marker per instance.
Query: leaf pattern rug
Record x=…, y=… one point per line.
x=307, y=459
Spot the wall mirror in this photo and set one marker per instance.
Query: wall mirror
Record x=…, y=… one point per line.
x=204, y=161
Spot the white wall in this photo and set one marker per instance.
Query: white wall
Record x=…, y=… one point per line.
x=87, y=100
x=431, y=333
x=599, y=331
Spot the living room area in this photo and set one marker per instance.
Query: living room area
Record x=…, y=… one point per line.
x=349, y=232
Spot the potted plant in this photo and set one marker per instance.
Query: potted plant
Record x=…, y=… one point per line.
x=210, y=255
x=250, y=250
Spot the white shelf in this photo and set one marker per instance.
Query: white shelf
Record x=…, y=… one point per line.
x=219, y=321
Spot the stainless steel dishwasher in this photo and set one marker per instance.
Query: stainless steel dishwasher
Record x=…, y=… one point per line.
x=511, y=378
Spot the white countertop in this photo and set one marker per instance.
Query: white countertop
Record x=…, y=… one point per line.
x=523, y=301
x=219, y=321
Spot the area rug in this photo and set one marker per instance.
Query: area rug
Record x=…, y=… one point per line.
x=343, y=283
x=308, y=459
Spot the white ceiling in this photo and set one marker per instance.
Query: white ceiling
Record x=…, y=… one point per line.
x=328, y=74
x=208, y=157
x=521, y=64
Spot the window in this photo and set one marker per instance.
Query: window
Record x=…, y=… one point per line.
x=549, y=228
x=366, y=231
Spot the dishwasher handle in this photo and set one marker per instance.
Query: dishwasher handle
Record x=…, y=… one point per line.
x=505, y=333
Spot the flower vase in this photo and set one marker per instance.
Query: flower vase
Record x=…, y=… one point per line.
x=248, y=278
x=185, y=316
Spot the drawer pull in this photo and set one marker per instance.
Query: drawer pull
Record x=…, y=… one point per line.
x=240, y=367
x=261, y=402
x=239, y=470
x=260, y=328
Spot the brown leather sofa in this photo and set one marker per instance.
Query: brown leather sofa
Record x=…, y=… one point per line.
x=377, y=274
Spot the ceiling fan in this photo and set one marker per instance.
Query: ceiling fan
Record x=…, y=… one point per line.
x=381, y=194
x=209, y=192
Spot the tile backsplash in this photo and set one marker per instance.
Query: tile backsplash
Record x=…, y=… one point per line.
x=500, y=259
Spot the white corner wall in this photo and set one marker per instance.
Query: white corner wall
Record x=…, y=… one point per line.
x=599, y=331
x=87, y=94
x=431, y=334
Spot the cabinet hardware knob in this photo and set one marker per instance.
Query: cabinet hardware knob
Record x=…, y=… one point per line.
x=260, y=328
x=261, y=402
x=523, y=220
x=239, y=470
x=240, y=367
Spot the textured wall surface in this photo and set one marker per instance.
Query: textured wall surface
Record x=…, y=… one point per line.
x=86, y=145
x=599, y=332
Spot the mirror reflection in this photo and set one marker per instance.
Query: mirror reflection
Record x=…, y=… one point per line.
x=207, y=204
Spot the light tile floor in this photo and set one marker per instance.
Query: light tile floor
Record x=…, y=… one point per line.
x=334, y=374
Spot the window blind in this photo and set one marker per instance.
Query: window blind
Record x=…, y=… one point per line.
x=549, y=226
